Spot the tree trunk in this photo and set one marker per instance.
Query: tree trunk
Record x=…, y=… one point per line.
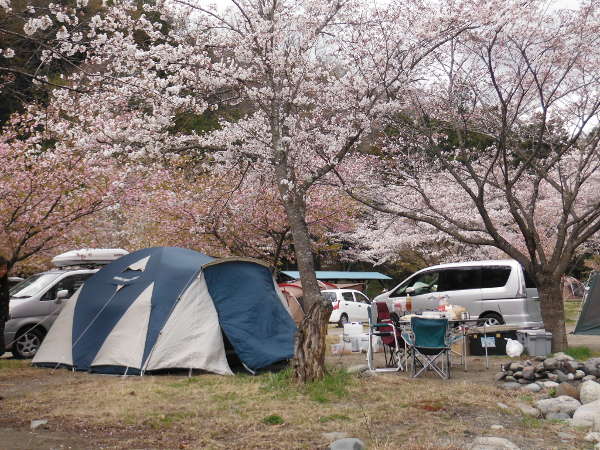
x=309, y=359
x=4, y=299
x=553, y=311
x=309, y=352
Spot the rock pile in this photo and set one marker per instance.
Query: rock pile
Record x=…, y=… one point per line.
x=557, y=369
x=573, y=394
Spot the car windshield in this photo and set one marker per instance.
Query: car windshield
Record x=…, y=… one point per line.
x=32, y=285
x=329, y=296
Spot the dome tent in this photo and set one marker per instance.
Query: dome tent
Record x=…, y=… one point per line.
x=169, y=308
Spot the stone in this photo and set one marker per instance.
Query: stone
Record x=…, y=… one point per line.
x=587, y=415
x=357, y=368
x=594, y=436
x=347, y=444
x=515, y=366
x=553, y=377
x=492, y=443
x=528, y=410
x=570, y=376
x=589, y=392
x=523, y=381
x=509, y=372
x=532, y=387
x=562, y=377
x=565, y=436
x=558, y=416
x=551, y=364
x=510, y=378
x=499, y=376
x=518, y=374
x=562, y=404
x=35, y=424
x=511, y=385
x=502, y=405
x=529, y=373
x=579, y=374
x=567, y=389
x=335, y=435
x=589, y=377
x=572, y=366
x=539, y=358
x=549, y=384
x=592, y=367
x=497, y=427
x=560, y=356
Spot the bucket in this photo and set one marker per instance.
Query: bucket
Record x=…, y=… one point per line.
x=353, y=329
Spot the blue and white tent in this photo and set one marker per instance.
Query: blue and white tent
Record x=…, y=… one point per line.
x=170, y=308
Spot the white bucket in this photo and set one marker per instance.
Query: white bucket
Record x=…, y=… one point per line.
x=353, y=329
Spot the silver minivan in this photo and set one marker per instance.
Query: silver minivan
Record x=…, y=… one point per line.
x=497, y=291
x=35, y=304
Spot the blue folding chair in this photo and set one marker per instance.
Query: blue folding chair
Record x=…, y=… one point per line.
x=429, y=342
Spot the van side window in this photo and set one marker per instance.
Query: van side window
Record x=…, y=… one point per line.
x=424, y=283
x=529, y=281
x=71, y=284
x=459, y=279
x=494, y=276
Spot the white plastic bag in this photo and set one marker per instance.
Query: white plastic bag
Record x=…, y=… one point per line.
x=513, y=348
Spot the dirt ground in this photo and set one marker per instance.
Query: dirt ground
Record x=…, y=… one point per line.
x=387, y=411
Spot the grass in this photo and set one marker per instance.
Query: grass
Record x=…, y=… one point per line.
x=269, y=410
x=572, y=312
x=273, y=419
x=332, y=387
x=334, y=418
x=580, y=352
x=13, y=363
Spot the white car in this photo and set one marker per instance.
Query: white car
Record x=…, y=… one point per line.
x=349, y=305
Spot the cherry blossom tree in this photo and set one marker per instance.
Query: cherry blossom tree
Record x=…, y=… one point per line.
x=314, y=77
x=45, y=190
x=498, y=148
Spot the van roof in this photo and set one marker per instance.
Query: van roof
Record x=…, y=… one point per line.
x=487, y=262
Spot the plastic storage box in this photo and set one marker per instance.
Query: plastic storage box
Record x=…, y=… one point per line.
x=536, y=342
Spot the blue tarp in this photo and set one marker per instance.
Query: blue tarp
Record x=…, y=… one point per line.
x=333, y=275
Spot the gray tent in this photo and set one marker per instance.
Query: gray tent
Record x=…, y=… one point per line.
x=589, y=318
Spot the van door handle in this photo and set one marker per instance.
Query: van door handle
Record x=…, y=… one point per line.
x=535, y=298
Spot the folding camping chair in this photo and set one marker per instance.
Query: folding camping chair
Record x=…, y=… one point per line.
x=428, y=342
x=391, y=337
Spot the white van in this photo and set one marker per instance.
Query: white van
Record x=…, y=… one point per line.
x=499, y=292
x=35, y=302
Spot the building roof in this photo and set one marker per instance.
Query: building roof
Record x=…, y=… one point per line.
x=334, y=275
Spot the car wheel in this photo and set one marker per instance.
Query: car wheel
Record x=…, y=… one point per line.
x=28, y=343
x=491, y=320
x=343, y=320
